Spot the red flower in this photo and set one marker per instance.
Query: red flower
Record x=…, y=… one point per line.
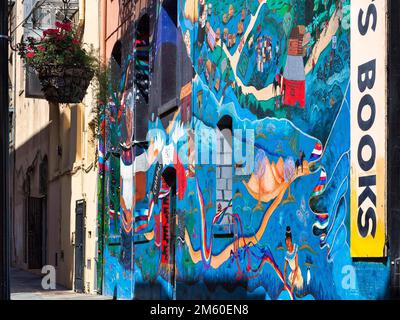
x=41, y=48
x=75, y=41
x=60, y=37
x=67, y=26
x=30, y=54
x=50, y=32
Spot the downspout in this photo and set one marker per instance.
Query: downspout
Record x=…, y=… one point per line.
x=101, y=237
x=13, y=129
x=82, y=14
x=80, y=106
x=103, y=31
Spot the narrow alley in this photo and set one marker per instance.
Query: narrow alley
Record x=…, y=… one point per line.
x=27, y=286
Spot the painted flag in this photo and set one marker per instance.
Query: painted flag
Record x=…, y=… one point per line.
x=142, y=216
x=181, y=175
x=220, y=214
x=142, y=66
x=112, y=214
x=103, y=163
x=164, y=191
x=321, y=186
x=323, y=176
x=322, y=240
x=322, y=221
x=317, y=152
x=320, y=227
x=141, y=219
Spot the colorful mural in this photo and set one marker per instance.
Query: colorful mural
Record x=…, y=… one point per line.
x=243, y=188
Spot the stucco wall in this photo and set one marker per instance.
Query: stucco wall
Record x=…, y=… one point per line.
x=41, y=128
x=31, y=142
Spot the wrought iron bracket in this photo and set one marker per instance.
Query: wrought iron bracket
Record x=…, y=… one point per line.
x=2, y=36
x=66, y=4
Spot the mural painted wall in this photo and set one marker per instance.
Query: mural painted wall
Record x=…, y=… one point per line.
x=243, y=188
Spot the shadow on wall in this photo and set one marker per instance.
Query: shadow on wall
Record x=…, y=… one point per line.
x=127, y=13
x=41, y=198
x=26, y=185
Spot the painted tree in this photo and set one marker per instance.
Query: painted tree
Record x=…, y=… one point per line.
x=289, y=172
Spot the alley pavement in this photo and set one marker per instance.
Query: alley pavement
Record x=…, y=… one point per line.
x=27, y=286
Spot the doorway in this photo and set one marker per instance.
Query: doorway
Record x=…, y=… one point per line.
x=80, y=212
x=35, y=235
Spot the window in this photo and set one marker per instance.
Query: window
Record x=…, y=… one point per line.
x=116, y=53
x=167, y=56
x=33, y=88
x=142, y=76
x=43, y=176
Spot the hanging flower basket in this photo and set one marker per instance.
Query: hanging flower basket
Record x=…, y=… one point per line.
x=64, y=67
x=64, y=84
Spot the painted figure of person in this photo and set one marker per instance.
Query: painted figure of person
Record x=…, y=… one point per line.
x=269, y=53
x=301, y=160
x=264, y=49
x=202, y=23
x=297, y=165
x=292, y=260
x=260, y=65
x=126, y=168
x=308, y=276
x=277, y=52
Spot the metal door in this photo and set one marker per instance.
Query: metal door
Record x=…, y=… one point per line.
x=35, y=230
x=80, y=212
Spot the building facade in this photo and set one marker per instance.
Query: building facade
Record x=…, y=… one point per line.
x=53, y=199
x=227, y=168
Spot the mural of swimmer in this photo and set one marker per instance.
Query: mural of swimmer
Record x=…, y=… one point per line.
x=292, y=260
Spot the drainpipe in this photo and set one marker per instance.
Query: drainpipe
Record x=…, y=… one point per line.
x=103, y=30
x=80, y=112
x=4, y=134
x=100, y=239
x=82, y=14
